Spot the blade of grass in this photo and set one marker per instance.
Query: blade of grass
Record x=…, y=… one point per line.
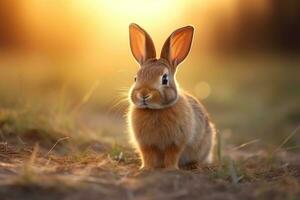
x=86, y=97
x=34, y=154
x=28, y=171
x=219, y=147
x=233, y=173
x=286, y=140
x=246, y=144
x=292, y=147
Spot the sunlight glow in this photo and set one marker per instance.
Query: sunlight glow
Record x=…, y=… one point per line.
x=143, y=10
x=146, y=12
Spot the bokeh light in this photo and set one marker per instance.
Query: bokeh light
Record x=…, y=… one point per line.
x=202, y=90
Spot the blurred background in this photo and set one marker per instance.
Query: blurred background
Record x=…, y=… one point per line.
x=65, y=65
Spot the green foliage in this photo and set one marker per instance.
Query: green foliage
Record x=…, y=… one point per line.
x=116, y=152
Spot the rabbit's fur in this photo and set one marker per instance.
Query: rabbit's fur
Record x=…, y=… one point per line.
x=169, y=127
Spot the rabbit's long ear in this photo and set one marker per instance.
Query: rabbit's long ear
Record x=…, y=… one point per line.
x=178, y=45
x=141, y=44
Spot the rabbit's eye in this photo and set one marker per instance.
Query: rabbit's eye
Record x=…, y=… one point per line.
x=135, y=79
x=165, y=79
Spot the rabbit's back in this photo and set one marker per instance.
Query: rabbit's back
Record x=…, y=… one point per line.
x=200, y=147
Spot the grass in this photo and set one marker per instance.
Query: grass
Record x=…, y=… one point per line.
x=286, y=140
x=116, y=152
x=31, y=127
x=252, y=168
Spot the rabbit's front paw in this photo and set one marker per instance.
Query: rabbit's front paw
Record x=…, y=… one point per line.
x=171, y=158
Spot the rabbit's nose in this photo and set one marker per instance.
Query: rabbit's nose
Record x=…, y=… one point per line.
x=144, y=97
x=147, y=96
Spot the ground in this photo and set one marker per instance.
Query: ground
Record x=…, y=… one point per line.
x=112, y=172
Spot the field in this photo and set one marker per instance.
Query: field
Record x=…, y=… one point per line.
x=63, y=135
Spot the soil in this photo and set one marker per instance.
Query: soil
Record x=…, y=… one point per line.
x=30, y=173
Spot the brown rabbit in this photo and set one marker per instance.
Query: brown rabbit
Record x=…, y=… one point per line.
x=169, y=127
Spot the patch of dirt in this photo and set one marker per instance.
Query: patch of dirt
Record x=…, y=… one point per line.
x=96, y=173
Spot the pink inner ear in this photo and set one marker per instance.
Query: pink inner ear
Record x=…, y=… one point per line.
x=137, y=43
x=180, y=45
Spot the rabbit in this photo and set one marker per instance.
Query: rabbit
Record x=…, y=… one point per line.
x=168, y=127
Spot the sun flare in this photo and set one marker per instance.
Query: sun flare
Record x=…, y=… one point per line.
x=143, y=11
x=116, y=13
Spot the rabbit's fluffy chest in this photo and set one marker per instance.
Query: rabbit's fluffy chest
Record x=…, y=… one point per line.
x=163, y=127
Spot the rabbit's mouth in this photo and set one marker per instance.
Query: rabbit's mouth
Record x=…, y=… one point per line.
x=148, y=105
x=144, y=104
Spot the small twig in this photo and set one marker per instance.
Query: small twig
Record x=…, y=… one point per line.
x=58, y=141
